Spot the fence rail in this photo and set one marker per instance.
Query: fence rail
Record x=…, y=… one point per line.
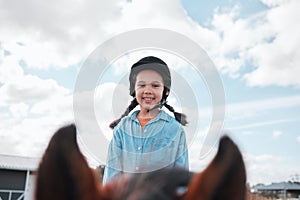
x=12, y=194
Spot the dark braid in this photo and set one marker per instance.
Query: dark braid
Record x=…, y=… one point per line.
x=132, y=105
x=180, y=117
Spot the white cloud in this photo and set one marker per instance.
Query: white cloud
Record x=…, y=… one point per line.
x=165, y=14
x=273, y=3
x=262, y=168
x=63, y=37
x=298, y=138
x=258, y=124
x=156, y=13
x=31, y=109
x=247, y=132
x=232, y=42
x=94, y=111
x=235, y=111
x=264, y=158
x=277, y=60
x=55, y=105
x=18, y=87
x=266, y=168
x=29, y=136
x=197, y=160
x=276, y=133
x=237, y=35
x=19, y=110
x=268, y=41
x=26, y=129
x=9, y=68
x=55, y=34
x=252, y=114
x=29, y=88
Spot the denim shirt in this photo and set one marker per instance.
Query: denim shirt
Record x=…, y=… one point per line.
x=133, y=149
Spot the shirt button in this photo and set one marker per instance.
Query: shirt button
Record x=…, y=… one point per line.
x=137, y=168
x=139, y=148
x=145, y=131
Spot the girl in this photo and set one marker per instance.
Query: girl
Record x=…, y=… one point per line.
x=148, y=139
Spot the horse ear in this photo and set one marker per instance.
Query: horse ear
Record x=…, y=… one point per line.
x=64, y=172
x=224, y=178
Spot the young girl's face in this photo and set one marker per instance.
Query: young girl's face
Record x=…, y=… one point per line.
x=149, y=88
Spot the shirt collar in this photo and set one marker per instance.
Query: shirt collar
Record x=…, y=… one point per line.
x=161, y=115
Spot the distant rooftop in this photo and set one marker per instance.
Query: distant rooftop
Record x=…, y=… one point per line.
x=18, y=162
x=279, y=186
x=30, y=163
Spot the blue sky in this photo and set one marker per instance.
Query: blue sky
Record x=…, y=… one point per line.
x=254, y=45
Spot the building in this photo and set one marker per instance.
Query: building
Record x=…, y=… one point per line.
x=283, y=190
x=17, y=177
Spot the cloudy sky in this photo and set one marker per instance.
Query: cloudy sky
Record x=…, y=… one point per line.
x=254, y=45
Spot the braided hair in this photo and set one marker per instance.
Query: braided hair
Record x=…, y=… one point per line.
x=132, y=105
x=162, y=68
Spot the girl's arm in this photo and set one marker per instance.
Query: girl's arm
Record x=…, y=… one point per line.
x=114, y=159
x=182, y=153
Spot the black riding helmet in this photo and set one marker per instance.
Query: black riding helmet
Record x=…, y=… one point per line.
x=155, y=64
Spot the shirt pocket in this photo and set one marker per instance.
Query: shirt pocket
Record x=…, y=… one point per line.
x=162, y=152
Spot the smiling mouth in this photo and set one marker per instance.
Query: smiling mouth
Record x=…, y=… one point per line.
x=148, y=99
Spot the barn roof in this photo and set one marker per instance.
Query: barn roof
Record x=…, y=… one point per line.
x=14, y=162
x=18, y=162
x=279, y=186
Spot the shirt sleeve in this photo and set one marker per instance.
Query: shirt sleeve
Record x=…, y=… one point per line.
x=114, y=158
x=182, y=153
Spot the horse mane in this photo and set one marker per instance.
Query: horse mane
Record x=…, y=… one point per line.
x=64, y=174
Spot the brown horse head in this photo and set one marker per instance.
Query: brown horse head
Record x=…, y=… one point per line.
x=64, y=174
